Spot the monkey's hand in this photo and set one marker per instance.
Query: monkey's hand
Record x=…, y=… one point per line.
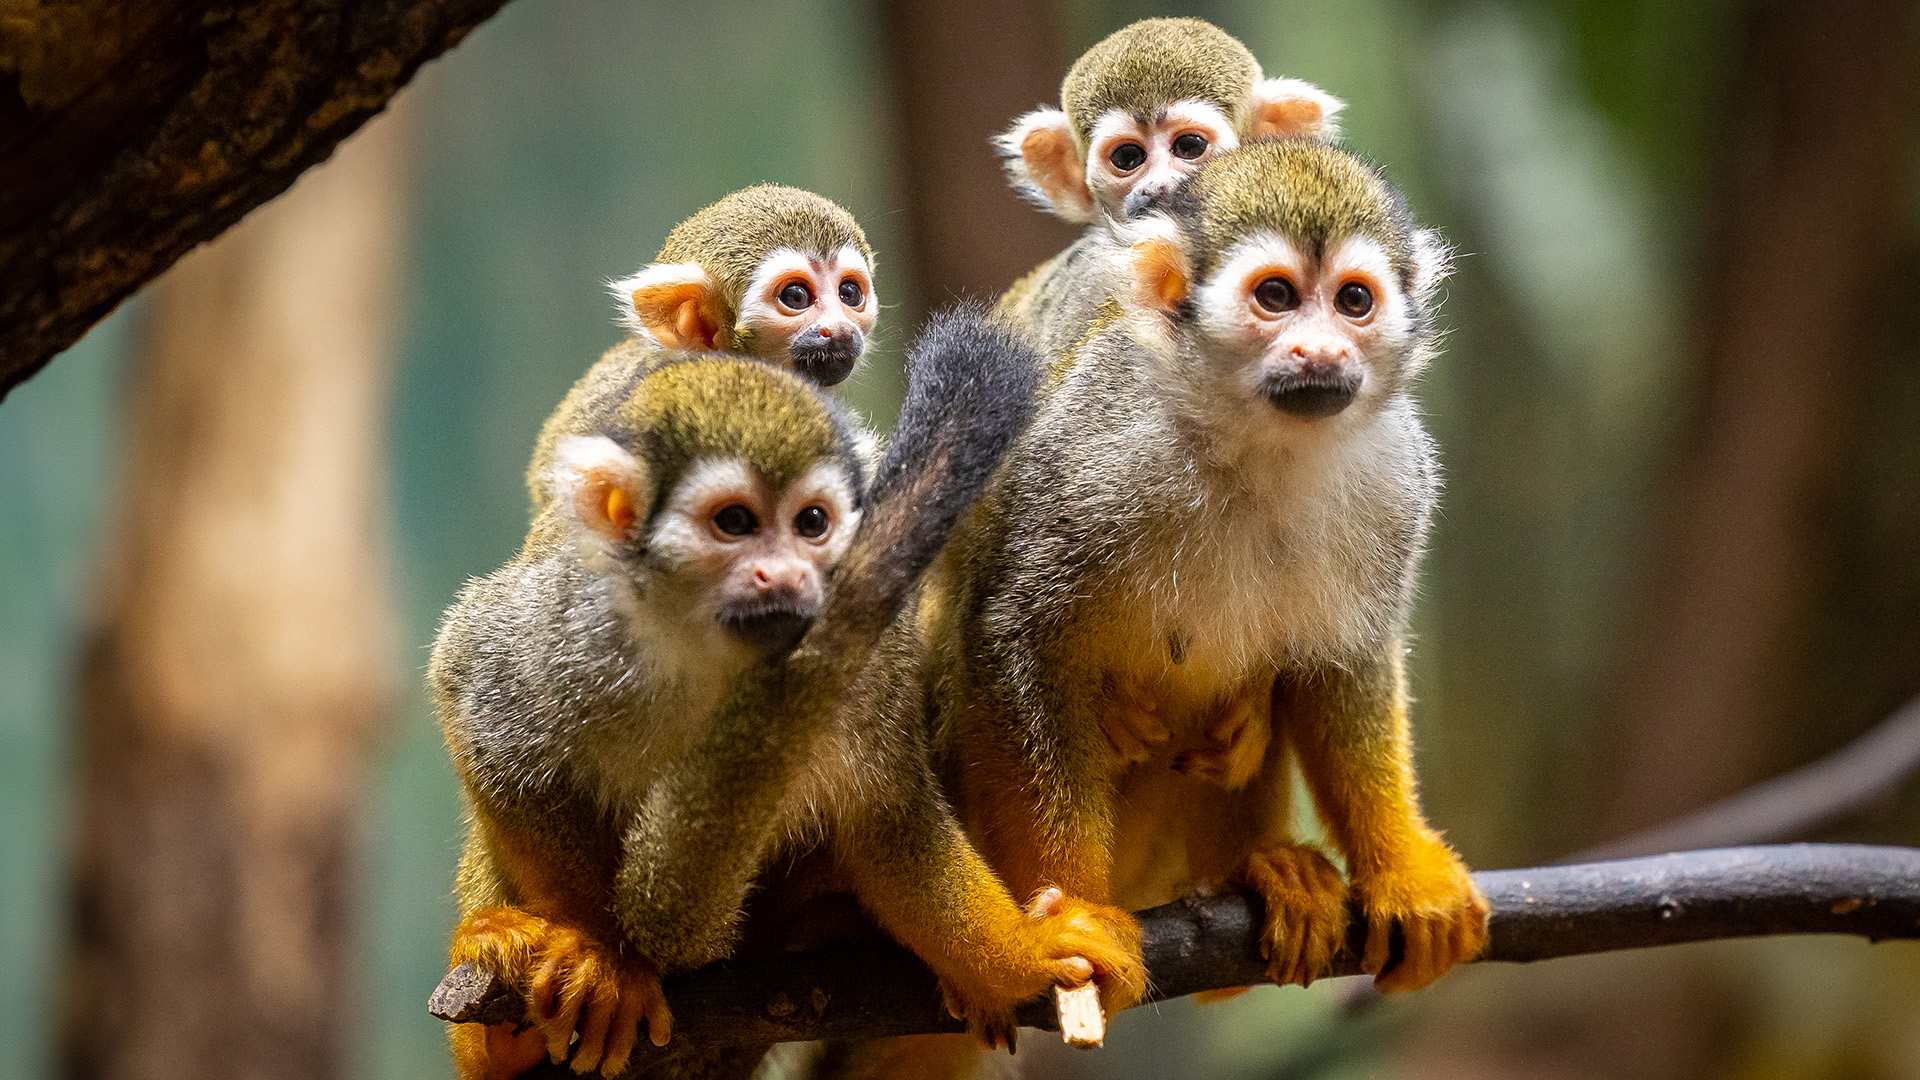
x=1236, y=739
x=1423, y=916
x=1130, y=724
x=1306, y=910
x=567, y=975
x=1064, y=943
x=580, y=983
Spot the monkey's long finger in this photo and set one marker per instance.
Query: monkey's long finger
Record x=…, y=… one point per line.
x=566, y=1019
x=659, y=1019
x=1411, y=972
x=1379, y=944
x=625, y=1033
x=592, y=1046
x=546, y=994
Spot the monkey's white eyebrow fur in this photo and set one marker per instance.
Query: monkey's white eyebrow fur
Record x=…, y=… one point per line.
x=678, y=533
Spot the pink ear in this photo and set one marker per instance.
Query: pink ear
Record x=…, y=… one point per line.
x=604, y=486
x=676, y=304
x=1161, y=277
x=1044, y=162
x=1289, y=108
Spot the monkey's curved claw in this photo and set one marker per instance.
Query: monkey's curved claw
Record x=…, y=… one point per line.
x=1306, y=910
x=1428, y=907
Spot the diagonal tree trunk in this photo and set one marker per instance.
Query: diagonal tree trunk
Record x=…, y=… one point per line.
x=133, y=130
x=242, y=659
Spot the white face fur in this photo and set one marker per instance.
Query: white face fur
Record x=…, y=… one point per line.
x=732, y=551
x=1129, y=162
x=798, y=301
x=1322, y=334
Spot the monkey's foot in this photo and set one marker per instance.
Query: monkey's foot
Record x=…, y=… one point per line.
x=1423, y=916
x=1061, y=942
x=1306, y=910
x=1236, y=740
x=1132, y=729
x=581, y=984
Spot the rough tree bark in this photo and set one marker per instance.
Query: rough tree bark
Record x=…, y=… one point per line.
x=243, y=656
x=132, y=130
x=961, y=73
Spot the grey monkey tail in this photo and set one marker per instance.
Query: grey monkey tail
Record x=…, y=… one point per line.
x=972, y=386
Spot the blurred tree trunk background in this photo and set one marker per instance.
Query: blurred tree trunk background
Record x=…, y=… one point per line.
x=241, y=666
x=1679, y=548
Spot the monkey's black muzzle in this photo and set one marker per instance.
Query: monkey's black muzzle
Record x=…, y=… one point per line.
x=773, y=625
x=1312, y=391
x=827, y=361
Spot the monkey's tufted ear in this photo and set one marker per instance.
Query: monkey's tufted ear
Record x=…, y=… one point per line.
x=1432, y=262
x=1160, y=275
x=1285, y=108
x=603, y=486
x=1045, y=163
x=675, y=304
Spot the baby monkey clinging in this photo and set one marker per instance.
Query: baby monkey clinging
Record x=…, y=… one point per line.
x=771, y=271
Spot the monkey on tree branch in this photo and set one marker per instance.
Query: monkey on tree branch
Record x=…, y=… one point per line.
x=873, y=989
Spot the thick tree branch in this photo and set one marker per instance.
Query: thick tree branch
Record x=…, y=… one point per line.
x=133, y=130
x=875, y=989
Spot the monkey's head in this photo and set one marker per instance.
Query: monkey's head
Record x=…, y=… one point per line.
x=1146, y=107
x=1292, y=271
x=724, y=489
x=773, y=272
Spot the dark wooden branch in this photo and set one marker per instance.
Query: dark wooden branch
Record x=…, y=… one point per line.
x=878, y=989
x=133, y=130
x=1794, y=804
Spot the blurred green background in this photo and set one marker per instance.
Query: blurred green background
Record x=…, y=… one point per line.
x=1586, y=158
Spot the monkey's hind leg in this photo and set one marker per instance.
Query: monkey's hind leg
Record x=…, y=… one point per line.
x=572, y=982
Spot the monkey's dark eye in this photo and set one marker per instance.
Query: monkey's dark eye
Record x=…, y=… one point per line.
x=735, y=520
x=811, y=522
x=1189, y=146
x=796, y=296
x=1276, y=294
x=1128, y=156
x=1353, y=300
x=851, y=294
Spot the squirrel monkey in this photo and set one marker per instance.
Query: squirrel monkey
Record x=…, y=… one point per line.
x=771, y=271
x=1140, y=111
x=639, y=735
x=1216, y=518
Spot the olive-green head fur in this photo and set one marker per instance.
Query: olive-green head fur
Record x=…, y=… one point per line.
x=773, y=272
x=1155, y=61
x=714, y=406
x=732, y=236
x=1312, y=193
